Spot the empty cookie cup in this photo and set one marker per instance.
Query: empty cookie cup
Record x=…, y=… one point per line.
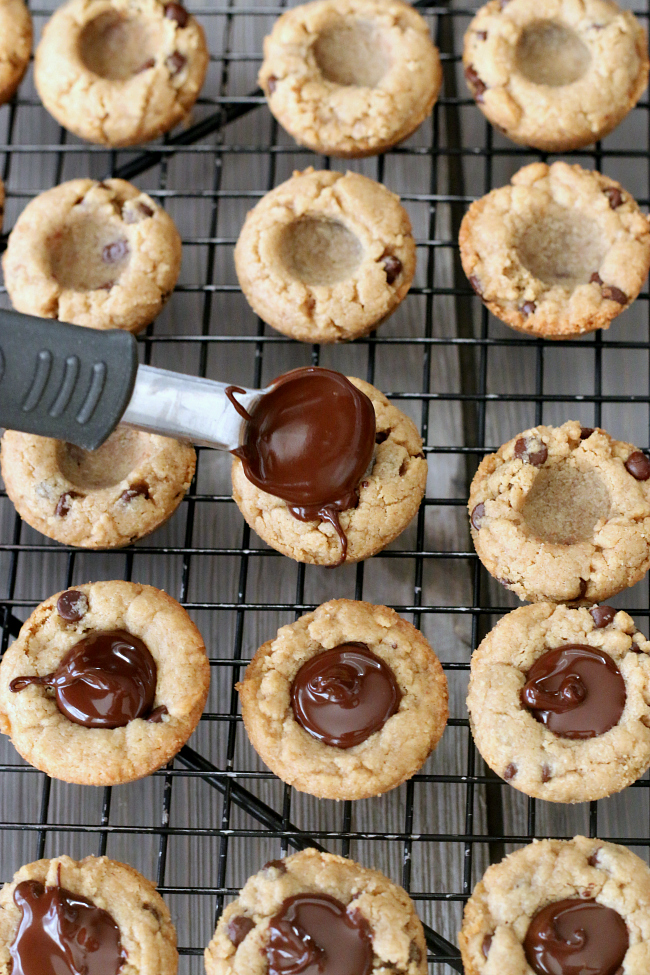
x=350, y=77
x=554, y=74
x=559, y=252
x=104, y=255
x=326, y=257
x=119, y=72
x=104, y=498
x=563, y=514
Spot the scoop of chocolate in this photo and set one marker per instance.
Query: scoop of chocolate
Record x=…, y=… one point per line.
x=576, y=691
x=309, y=441
x=61, y=933
x=576, y=937
x=343, y=695
x=104, y=681
x=314, y=934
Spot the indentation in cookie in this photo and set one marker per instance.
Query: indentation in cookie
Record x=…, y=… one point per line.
x=560, y=246
x=352, y=53
x=318, y=251
x=116, y=47
x=88, y=253
x=548, y=53
x=93, y=470
x=564, y=505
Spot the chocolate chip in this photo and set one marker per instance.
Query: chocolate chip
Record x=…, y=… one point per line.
x=116, y=251
x=63, y=504
x=107, y=286
x=145, y=210
x=476, y=285
x=365, y=484
x=476, y=84
x=177, y=12
x=595, y=278
x=381, y=436
x=612, y=293
x=510, y=772
x=149, y=63
x=593, y=859
x=586, y=432
x=481, y=35
x=534, y=457
x=277, y=864
x=393, y=268
x=614, y=196
x=638, y=465
x=477, y=516
x=72, y=605
x=403, y=467
x=141, y=210
x=156, y=715
x=271, y=83
x=152, y=910
x=546, y=773
x=175, y=62
x=528, y=307
x=137, y=490
x=415, y=952
x=238, y=928
x=485, y=947
x=602, y=616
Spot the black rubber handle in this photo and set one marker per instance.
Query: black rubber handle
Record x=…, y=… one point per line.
x=64, y=381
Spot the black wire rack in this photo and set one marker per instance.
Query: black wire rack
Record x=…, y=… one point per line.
x=200, y=826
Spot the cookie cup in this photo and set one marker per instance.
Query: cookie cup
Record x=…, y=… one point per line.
x=47, y=739
x=15, y=46
x=387, y=757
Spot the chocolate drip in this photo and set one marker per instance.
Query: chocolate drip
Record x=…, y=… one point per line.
x=576, y=691
x=343, y=695
x=314, y=934
x=576, y=937
x=61, y=932
x=104, y=681
x=309, y=441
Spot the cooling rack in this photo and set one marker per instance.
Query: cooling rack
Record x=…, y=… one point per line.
x=200, y=826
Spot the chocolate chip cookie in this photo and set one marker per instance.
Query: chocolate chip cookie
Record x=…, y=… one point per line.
x=563, y=514
x=560, y=251
x=554, y=74
x=559, y=701
x=313, y=907
x=576, y=905
x=104, y=684
x=350, y=77
x=94, y=915
x=345, y=703
x=326, y=257
x=104, y=498
x=103, y=255
x=15, y=46
x=119, y=72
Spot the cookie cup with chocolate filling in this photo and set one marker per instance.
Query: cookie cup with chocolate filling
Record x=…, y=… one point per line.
x=147, y=937
x=389, y=497
x=178, y=685
x=559, y=701
x=496, y=934
x=372, y=918
x=387, y=725
x=563, y=514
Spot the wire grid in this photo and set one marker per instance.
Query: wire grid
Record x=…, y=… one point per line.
x=215, y=814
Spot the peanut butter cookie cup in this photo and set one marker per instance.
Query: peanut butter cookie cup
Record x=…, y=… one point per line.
x=15, y=46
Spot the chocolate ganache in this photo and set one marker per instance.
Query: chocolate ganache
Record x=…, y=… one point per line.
x=576, y=937
x=575, y=690
x=61, y=933
x=104, y=681
x=309, y=440
x=343, y=695
x=314, y=934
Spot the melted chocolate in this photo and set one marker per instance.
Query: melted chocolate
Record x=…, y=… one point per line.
x=576, y=691
x=309, y=441
x=576, y=937
x=104, y=681
x=343, y=695
x=61, y=933
x=313, y=934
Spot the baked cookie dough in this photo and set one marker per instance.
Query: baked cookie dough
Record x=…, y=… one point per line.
x=15, y=45
x=563, y=513
x=326, y=257
x=394, y=710
x=119, y=72
x=357, y=912
x=103, y=255
x=561, y=251
x=389, y=497
x=350, y=77
x=555, y=74
x=122, y=908
x=559, y=701
x=104, y=498
x=496, y=937
x=103, y=753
